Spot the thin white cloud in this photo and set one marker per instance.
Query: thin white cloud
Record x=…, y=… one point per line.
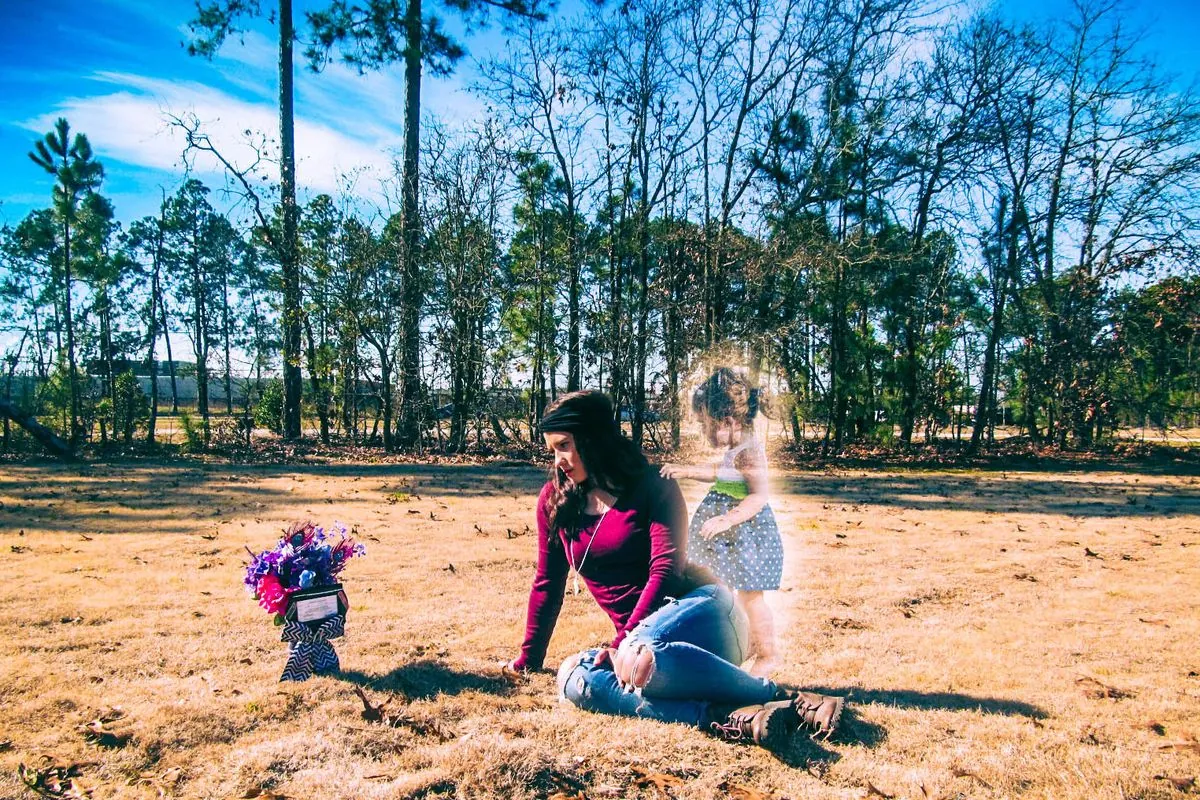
x=132, y=124
x=348, y=125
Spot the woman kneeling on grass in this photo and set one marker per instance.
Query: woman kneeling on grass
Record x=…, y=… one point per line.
x=614, y=521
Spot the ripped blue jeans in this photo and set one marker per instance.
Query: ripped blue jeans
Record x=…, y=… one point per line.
x=697, y=640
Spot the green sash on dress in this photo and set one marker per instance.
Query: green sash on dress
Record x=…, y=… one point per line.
x=738, y=490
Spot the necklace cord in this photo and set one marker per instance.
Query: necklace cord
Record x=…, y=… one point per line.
x=588, y=549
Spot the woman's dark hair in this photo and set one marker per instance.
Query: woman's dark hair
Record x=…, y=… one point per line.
x=726, y=394
x=613, y=463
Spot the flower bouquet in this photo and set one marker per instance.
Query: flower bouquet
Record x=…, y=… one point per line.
x=297, y=582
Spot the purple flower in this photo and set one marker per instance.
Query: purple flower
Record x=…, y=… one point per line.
x=302, y=558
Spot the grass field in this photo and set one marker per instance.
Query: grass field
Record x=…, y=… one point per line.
x=999, y=635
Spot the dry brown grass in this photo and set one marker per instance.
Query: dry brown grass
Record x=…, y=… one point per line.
x=1000, y=635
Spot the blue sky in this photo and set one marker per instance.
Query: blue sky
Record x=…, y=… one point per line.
x=113, y=67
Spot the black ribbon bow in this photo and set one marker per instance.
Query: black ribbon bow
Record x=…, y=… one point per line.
x=309, y=648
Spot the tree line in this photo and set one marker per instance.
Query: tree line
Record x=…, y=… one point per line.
x=908, y=224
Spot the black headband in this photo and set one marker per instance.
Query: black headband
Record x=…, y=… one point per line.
x=563, y=420
x=573, y=420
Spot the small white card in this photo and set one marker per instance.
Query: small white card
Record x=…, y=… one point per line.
x=316, y=608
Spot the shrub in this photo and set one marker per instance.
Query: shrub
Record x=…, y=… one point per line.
x=268, y=411
x=193, y=438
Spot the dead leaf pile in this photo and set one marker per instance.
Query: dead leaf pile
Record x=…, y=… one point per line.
x=51, y=779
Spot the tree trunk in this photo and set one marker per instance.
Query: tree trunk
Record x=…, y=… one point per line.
x=411, y=301
x=575, y=269
x=226, y=324
x=908, y=402
x=106, y=344
x=1006, y=258
x=315, y=381
x=293, y=388
x=152, y=333
x=48, y=438
x=170, y=356
x=72, y=377
x=643, y=319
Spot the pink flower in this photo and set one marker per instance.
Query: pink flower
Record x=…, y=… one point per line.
x=272, y=595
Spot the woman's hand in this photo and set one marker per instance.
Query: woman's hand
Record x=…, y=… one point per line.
x=714, y=526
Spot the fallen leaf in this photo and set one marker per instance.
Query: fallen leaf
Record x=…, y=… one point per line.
x=1098, y=691
x=97, y=732
x=1156, y=727
x=371, y=713
x=1184, y=785
x=511, y=676
x=1186, y=744
x=874, y=791
x=958, y=772
x=847, y=624
x=1087, y=551
x=661, y=781
x=736, y=792
x=261, y=793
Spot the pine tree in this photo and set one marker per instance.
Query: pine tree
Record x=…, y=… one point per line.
x=77, y=174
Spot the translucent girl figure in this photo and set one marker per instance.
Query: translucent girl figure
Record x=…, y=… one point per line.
x=733, y=532
x=606, y=517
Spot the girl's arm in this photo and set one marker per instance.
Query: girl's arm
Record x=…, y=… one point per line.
x=753, y=466
x=698, y=473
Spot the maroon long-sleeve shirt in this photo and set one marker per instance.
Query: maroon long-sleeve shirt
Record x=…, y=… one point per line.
x=638, y=559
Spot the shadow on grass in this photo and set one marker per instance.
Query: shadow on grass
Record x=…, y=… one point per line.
x=943, y=701
x=811, y=754
x=424, y=679
x=856, y=730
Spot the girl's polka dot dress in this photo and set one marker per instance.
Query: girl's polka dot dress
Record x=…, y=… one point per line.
x=749, y=556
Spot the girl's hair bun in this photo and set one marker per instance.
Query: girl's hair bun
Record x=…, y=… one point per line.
x=728, y=393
